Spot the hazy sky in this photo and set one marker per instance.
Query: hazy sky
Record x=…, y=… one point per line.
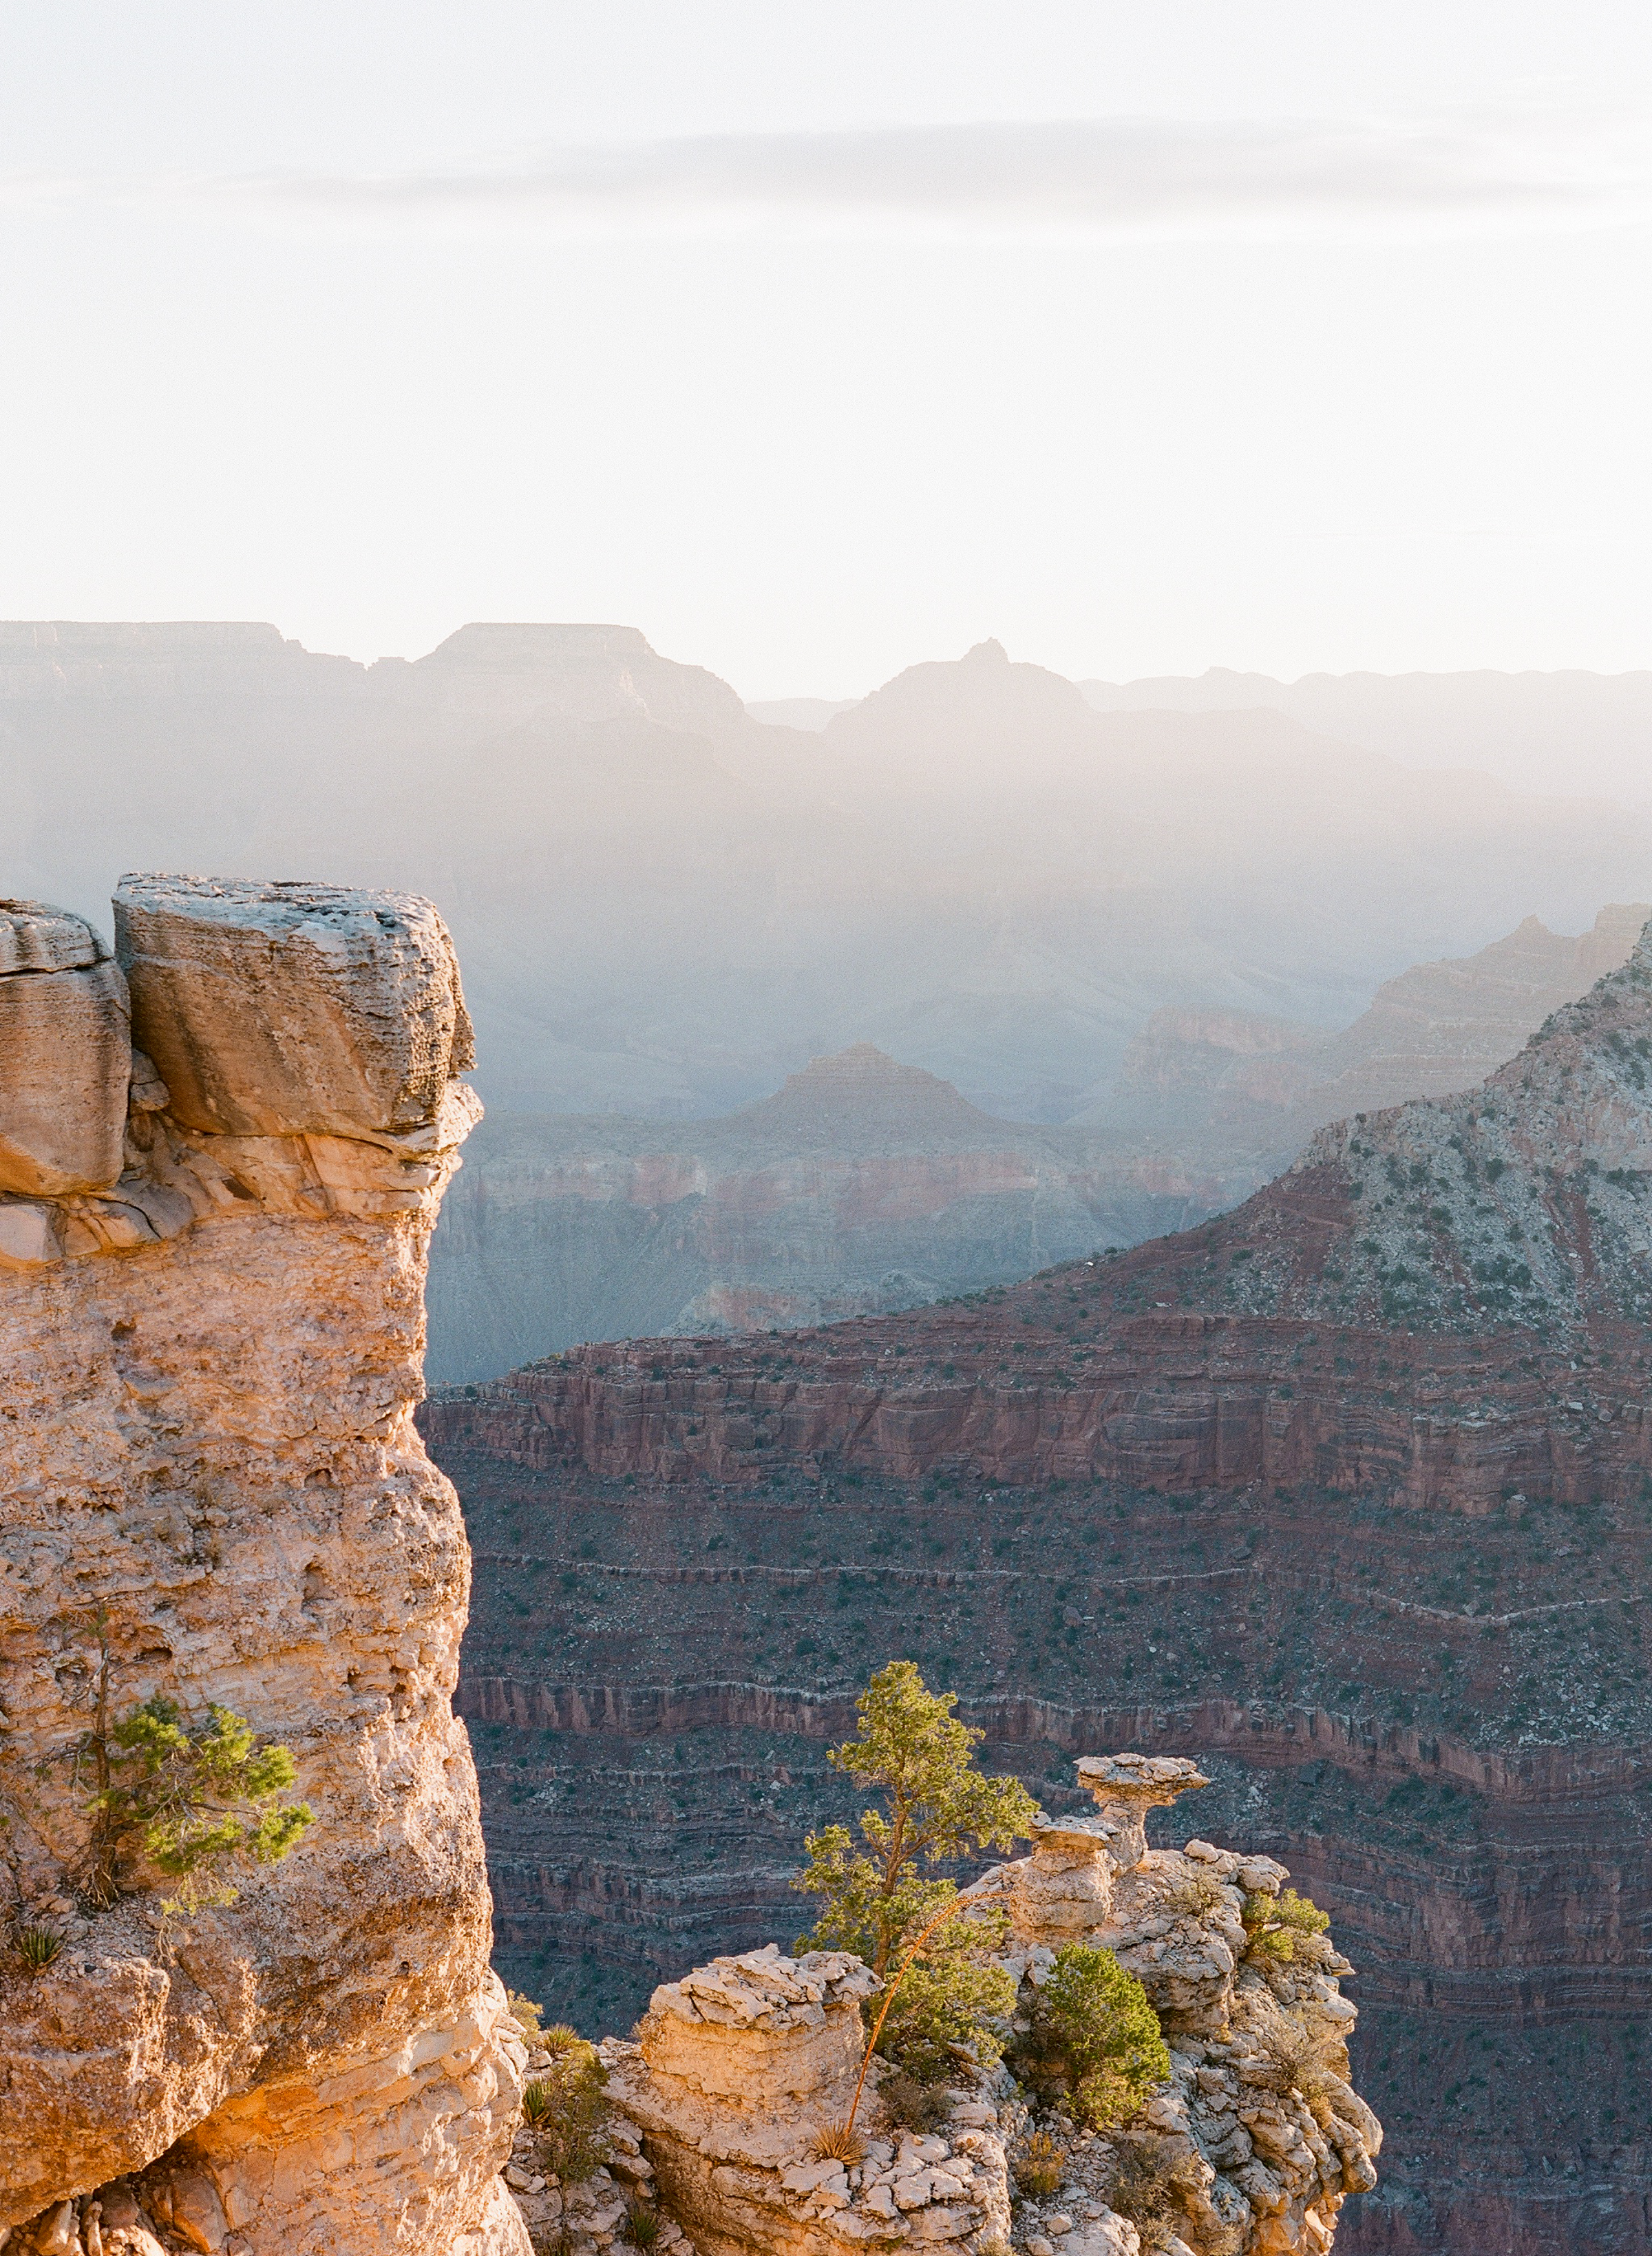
x=816, y=339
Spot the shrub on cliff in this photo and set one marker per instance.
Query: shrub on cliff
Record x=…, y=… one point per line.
x=195, y=1798
x=1277, y=1925
x=938, y=1806
x=565, y=2108
x=1092, y=2043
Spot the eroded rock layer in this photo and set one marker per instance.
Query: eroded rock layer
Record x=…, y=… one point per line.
x=211, y=1325
x=1350, y=1487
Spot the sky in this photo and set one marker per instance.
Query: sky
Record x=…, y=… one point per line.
x=817, y=340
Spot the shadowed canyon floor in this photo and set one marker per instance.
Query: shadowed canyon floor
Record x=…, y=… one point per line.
x=1350, y=1490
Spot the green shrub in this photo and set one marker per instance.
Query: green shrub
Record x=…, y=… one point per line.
x=565, y=2108
x=195, y=1798
x=1094, y=2039
x=1277, y=1924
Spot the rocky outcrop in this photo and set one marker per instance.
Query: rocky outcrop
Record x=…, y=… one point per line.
x=211, y=1262
x=738, y=2070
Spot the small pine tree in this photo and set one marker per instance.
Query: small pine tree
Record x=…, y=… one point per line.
x=1094, y=2039
x=196, y=1798
x=940, y=1807
x=1277, y=1924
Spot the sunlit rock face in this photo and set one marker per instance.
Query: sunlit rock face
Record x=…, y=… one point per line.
x=211, y=1324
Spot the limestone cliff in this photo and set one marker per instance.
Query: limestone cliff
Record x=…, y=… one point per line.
x=222, y=1151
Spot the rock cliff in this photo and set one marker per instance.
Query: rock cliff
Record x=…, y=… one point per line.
x=1347, y=1489
x=735, y=2095
x=222, y=1151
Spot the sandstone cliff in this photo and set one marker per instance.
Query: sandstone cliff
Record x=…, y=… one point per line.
x=222, y=1151
x=1347, y=1489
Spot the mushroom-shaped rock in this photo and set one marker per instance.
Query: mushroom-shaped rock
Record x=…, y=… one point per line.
x=1125, y=1787
x=292, y=1009
x=65, y=1054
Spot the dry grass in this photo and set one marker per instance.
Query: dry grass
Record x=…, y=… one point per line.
x=1039, y=2164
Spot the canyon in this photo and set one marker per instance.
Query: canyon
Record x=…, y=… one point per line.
x=1348, y=1492
x=865, y=1186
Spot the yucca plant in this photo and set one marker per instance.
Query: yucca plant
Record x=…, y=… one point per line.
x=838, y=2142
x=38, y=1947
x=641, y=2227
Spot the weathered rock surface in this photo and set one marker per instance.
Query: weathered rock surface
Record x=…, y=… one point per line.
x=212, y=1478
x=1374, y=1546
x=65, y=1054
x=292, y=1009
x=738, y=2068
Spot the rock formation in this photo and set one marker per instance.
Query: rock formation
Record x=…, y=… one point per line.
x=1344, y=1491
x=738, y=2070
x=221, y=1160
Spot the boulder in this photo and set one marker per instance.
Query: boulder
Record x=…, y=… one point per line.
x=65, y=1054
x=292, y=1009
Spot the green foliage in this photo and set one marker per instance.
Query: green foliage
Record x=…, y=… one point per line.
x=193, y=1797
x=1095, y=2040
x=886, y=1887
x=1277, y=1924
x=38, y=1947
x=565, y=2108
x=525, y=2015
x=912, y=1749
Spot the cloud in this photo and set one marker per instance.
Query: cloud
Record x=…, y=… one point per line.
x=1098, y=178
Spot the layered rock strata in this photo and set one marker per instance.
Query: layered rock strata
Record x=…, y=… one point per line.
x=1348, y=1488
x=212, y=1249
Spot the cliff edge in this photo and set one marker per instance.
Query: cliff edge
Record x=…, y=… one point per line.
x=222, y=1147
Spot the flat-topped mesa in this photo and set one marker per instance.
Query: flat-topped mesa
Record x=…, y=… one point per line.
x=212, y=1261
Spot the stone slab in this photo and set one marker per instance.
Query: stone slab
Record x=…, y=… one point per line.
x=65, y=1054
x=286, y=1008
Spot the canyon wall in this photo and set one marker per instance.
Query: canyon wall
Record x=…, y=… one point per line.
x=221, y=1150
x=1350, y=1490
